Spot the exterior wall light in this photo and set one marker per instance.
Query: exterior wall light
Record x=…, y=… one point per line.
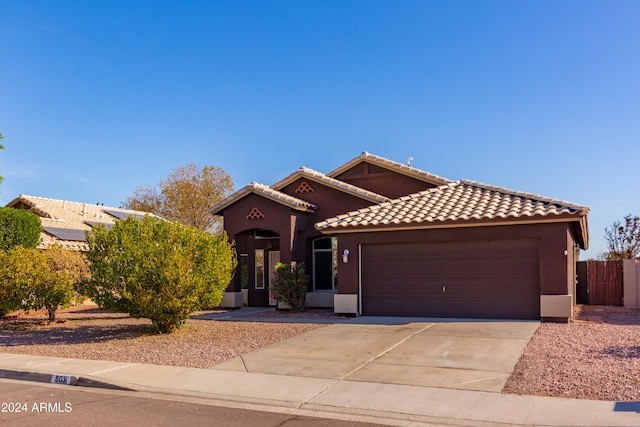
x=345, y=256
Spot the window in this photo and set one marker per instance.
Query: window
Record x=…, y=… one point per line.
x=259, y=268
x=244, y=271
x=325, y=264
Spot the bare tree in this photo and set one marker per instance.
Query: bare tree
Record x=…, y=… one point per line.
x=186, y=196
x=623, y=239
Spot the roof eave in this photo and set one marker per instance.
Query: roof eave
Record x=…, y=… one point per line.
x=34, y=206
x=325, y=228
x=584, y=229
x=219, y=207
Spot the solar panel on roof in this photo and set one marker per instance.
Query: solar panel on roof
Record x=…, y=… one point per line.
x=94, y=223
x=66, y=233
x=122, y=215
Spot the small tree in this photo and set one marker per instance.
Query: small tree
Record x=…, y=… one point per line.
x=27, y=282
x=13, y=286
x=623, y=239
x=160, y=270
x=289, y=285
x=18, y=227
x=53, y=292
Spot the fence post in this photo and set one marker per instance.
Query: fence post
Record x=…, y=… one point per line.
x=631, y=282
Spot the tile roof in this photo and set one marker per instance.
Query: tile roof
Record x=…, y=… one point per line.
x=456, y=202
x=265, y=191
x=60, y=215
x=273, y=192
x=321, y=178
x=391, y=165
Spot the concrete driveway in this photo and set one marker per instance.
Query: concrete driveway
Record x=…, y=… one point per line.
x=468, y=355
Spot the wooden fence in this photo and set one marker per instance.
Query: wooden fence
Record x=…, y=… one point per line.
x=599, y=282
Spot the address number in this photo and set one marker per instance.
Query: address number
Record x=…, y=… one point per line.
x=61, y=379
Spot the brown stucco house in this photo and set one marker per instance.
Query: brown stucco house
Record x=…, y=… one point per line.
x=382, y=238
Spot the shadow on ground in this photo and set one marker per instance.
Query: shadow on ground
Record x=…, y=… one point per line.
x=31, y=332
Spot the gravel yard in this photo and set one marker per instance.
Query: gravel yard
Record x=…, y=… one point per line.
x=596, y=356
x=91, y=334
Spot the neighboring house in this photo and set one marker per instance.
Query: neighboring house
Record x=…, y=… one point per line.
x=64, y=223
x=382, y=238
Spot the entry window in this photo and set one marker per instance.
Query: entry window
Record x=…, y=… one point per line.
x=325, y=264
x=244, y=271
x=259, y=268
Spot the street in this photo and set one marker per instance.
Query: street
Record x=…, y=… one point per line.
x=30, y=403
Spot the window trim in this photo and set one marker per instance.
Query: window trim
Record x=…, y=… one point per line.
x=334, y=265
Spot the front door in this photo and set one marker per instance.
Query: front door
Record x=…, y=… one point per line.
x=274, y=258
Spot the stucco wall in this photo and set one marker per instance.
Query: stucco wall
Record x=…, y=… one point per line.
x=384, y=182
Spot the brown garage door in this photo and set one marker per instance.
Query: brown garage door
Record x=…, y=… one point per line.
x=483, y=278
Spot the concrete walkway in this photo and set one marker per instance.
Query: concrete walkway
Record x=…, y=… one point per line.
x=364, y=392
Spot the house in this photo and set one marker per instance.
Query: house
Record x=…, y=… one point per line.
x=64, y=223
x=383, y=238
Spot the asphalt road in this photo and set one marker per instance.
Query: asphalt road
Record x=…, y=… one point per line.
x=27, y=403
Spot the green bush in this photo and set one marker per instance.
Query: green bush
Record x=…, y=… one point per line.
x=69, y=263
x=13, y=288
x=18, y=228
x=160, y=270
x=289, y=285
x=28, y=282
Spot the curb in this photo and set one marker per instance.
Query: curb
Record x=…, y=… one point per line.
x=60, y=379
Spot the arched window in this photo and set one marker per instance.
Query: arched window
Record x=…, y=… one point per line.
x=325, y=264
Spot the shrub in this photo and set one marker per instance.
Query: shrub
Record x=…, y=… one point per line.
x=289, y=285
x=52, y=293
x=70, y=263
x=28, y=282
x=12, y=283
x=157, y=269
x=18, y=228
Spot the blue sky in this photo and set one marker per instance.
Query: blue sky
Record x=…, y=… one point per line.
x=98, y=98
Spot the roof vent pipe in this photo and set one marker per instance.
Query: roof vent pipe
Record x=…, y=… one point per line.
x=84, y=209
x=409, y=161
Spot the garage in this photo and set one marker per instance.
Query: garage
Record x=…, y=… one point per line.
x=468, y=278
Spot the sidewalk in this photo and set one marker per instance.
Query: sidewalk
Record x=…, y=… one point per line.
x=374, y=402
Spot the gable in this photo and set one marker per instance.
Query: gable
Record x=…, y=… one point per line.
x=257, y=211
x=328, y=200
x=386, y=177
x=311, y=176
x=382, y=181
x=265, y=192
